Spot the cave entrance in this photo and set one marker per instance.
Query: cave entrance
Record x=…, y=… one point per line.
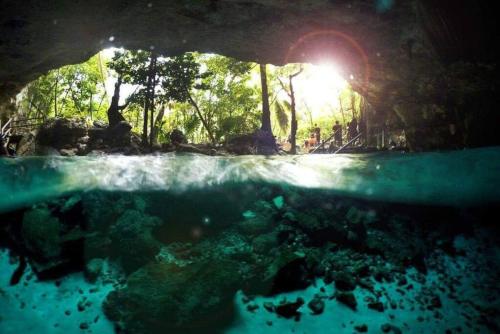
x=200, y=98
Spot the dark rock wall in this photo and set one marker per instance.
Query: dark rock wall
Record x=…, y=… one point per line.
x=422, y=63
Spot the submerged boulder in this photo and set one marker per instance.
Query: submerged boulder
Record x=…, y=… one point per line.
x=175, y=298
x=132, y=240
x=52, y=245
x=41, y=232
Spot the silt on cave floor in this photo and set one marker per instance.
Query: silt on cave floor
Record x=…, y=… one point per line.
x=242, y=256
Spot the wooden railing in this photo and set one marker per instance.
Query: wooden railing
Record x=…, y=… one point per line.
x=348, y=143
x=5, y=129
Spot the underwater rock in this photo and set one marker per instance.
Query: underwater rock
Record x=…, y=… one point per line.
x=361, y=328
x=398, y=242
x=377, y=306
x=41, y=232
x=346, y=298
x=278, y=202
x=175, y=297
x=344, y=281
x=434, y=303
x=269, y=306
x=83, y=304
x=132, y=241
x=388, y=328
x=288, y=309
x=264, y=243
x=17, y=275
x=51, y=250
x=252, y=307
x=103, y=209
x=254, y=226
x=229, y=245
x=93, y=269
x=316, y=305
x=288, y=272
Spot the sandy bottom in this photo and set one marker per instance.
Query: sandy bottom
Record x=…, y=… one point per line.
x=53, y=306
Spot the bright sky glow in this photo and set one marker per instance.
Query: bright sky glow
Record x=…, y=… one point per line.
x=126, y=89
x=318, y=88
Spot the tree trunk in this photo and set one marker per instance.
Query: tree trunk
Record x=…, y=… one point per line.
x=293, y=110
x=293, y=132
x=353, y=104
x=55, y=94
x=147, y=103
x=90, y=105
x=152, y=97
x=157, y=125
x=114, y=115
x=342, y=112
x=202, y=119
x=266, y=111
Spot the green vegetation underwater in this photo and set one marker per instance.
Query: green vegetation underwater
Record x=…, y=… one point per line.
x=184, y=243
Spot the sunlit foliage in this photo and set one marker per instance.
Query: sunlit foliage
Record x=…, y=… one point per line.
x=71, y=91
x=210, y=98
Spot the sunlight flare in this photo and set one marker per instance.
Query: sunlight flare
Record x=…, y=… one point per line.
x=320, y=86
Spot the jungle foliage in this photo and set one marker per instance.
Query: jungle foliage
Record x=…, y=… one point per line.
x=210, y=98
x=71, y=91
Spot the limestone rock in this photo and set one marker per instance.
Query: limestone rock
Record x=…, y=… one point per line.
x=42, y=233
x=316, y=305
x=175, y=298
x=68, y=152
x=132, y=241
x=288, y=309
x=344, y=281
x=61, y=133
x=93, y=269
x=346, y=298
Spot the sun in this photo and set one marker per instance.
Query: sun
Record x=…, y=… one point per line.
x=320, y=86
x=326, y=76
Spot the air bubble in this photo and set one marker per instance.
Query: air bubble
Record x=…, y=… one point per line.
x=111, y=38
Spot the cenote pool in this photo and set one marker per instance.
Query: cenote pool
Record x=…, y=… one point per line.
x=182, y=243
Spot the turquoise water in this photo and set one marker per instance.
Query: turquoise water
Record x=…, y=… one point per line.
x=458, y=178
x=183, y=243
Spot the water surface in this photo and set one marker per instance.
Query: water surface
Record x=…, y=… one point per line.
x=457, y=178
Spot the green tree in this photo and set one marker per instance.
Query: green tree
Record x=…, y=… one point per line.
x=266, y=112
x=138, y=68
x=159, y=80
x=227, y=100
x=291, y=72
x=71, y=91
